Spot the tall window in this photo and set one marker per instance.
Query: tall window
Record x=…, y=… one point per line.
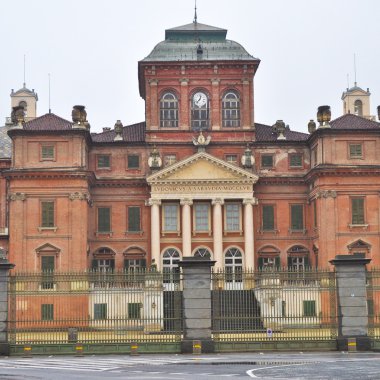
x=47, y=214
x=100, y=311
x=231, y=110
x=170, y=260
x=47, y=269
x=103, y=265
x=200, y=112
x=296, y=217
x=233, y=262
x=268, y=217
x=358, y=107
x=134, y=220
x=232, y=216
x=298, y=258
x=170, y=215
x=357, y=209
x=104, y=219
x=201, y=211
x=169, y=111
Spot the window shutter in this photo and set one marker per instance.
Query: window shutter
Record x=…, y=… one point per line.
x=306, y=262
x=143, y=263
x=47, y=214
x=296, y=217
x=268, y=218
x=261, y=262
x=94, y=264
x=358, y=211
x=289, y=261
x=277, y=262
x=47, y=263
x=112, y=264
x=134, y=219
x=104, y=219
x=126, y=265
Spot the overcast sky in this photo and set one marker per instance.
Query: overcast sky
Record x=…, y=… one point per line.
x=91, y=49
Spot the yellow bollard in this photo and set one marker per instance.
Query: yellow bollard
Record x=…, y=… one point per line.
x=351, y=344
x=197, y=347
x=27, y=351
x=134, y=349
x=79, y=349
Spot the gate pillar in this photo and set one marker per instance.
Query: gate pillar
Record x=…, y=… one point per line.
x=196, y=303
x=352, y=302
x=5, y=266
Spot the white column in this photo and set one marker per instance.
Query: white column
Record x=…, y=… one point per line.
x=249, y=246
x=186, y=226
x=217, y=227
x=155, y=232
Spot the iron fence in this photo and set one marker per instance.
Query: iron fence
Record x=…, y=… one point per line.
x=93, y=307
x=278, y=304
x=373, y=302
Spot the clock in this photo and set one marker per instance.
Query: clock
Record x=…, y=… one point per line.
x=199, y=99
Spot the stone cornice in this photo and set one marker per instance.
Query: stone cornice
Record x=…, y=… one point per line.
x=46, y=174
x=339, y=170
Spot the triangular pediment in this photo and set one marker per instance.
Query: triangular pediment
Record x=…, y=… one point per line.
x=202, y=167
x=47, y=247
x=359, y=244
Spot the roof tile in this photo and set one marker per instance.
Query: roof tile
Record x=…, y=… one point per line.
x=48, y=122
x=131, y=133
x=351, y=121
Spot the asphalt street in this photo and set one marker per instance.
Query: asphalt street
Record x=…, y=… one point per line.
x=327, y=365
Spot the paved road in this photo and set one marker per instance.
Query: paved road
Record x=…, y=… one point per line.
x=363, y=366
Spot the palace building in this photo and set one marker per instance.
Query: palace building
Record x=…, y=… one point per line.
x=199, y=177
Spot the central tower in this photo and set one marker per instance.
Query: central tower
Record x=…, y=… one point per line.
x=196, y=79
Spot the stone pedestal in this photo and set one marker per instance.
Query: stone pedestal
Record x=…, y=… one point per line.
x=352, y=301
x=196, y=303
x=5, y=266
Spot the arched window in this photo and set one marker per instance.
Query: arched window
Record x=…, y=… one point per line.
x=233, y=262
x=269, y=258
x=170, y=269
x=169, y=111
x=298, y=258
x=358, y=107
x=25, y=106
x=200, y=111
x=231, y=110
x=104, y=260
x=202, y=252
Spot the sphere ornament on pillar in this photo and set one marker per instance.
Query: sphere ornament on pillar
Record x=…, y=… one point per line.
x=154, y=160
x=311, y=126
x=279, y=129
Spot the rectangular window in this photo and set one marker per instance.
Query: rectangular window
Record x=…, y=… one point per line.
x=267, y=161
x=201, y=211
x=47, y=152
x=315, y=213
x=134, y=220
x=133, y=161
x=104, y=219
x=232, y=158
x=47, y=312
x=356, y=150
x=268, y=217
x=47, y=214
x=357, y=206
x=295, y=160
x=104, y=161
x=296, y=217
x=134, y=311
x=232, y=217
x=309, y=309
x=133, y=265
x=170, y=217
x=170, y=159
x=103, y=265
x=47, y=269
x=100, y=311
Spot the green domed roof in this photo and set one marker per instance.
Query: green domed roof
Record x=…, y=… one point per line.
x=184, y=43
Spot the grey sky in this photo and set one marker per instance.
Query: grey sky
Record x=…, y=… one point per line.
x=91, y=49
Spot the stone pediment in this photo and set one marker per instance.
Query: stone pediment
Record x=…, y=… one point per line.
x=202, y=168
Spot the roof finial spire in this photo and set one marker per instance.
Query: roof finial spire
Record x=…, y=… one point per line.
x=195, y=13
x=355, y=68
x=24, y=72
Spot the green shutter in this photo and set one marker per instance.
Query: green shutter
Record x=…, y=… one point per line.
x=261, y=262
x=296, y=160
x=267, y=161
x=357, y=210
x=104, y=219
x=47, y=214
x=289, y=262
x=309, y=309
x=306, y=262
x=133, y=161
x=296, y=217
x=47, y=312
x=277, y=262
x=94, y=264
x=112, y=264
x=134, y=223
x=100, y=311
x=268, y=218
x=126, y=265
x=134, y=311
x=103, y=161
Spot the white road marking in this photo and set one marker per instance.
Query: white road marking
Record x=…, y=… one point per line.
x=250, y=371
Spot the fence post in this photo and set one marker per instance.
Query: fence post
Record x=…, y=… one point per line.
x=352, y=302
x=5, y=266
x=196, y=303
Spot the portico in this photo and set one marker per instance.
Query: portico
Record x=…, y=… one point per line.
x=206, y=201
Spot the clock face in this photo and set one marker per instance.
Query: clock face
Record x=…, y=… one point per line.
x=199, y=99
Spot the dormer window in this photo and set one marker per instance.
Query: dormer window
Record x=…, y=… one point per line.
x=231, y=110
x=200, y=111
x=169, y=111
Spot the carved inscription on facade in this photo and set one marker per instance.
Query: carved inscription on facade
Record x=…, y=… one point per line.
x=200, y=188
